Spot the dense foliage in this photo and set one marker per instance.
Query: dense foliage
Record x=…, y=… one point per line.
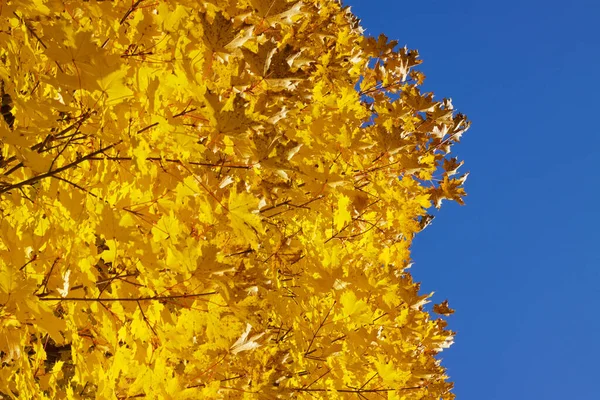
x=215, y=199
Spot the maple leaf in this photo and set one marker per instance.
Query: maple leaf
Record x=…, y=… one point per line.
x=443, y=308
x=245, y=221
x=113, y=87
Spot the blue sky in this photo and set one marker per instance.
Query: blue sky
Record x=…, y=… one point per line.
x=520, y=261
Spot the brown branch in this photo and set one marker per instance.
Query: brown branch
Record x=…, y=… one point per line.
x=139, y=395
x=131, y=9
x=25, y=195
x=75, y=140
x=30, y=29
x=7, y=161
x=39, y=147
x=319, y=378
x=146, y=319
x=283, y=203
x=60, y=135
x=282, y=338
x=369, y=380
x=373, y=226
x=138, y=54
x=136, y=299
x=335, y=236
x=13, y=169
x=221, y=380
x=76, y=186
x=109, y=280
x=375, y=169
x=356, y=391
x=64, y=147
x=173, y=160
x=339, y=338
x=47, y=278
x=28, y=262
x=184, y=112
x=239, y=253
x=32, y=180
x=307, y=352
x=148, y=127
x=303, y=205
x=34, y=87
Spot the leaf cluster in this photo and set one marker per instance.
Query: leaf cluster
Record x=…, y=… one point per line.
x=215, y=199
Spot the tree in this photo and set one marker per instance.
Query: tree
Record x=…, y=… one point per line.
x=215, y=199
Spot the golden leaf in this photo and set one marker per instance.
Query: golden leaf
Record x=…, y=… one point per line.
x=443, y=308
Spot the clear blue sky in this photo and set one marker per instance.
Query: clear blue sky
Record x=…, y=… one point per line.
x=520, y=262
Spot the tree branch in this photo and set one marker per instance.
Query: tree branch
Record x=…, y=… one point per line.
x=356, y=391
x=30, y=29
x=173, y=160
x=132, y=9
x=307, y=352
x=136, y=299
x=48, y=174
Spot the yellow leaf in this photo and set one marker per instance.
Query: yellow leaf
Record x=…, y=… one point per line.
x=113, y=87
x=39, y=163
x=167, y=227
x=342, y=214
x=356, y=310
x=390, y=374
x=244, y=218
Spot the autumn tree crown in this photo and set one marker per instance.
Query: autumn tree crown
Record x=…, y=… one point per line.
x=215, y=199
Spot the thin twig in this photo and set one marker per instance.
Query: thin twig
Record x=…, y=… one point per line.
x=307, y=352
x=13, y=169
x=146, y=319
x=48, y=174
x=173, y=160
x=128, y=13
x=182, y=296
x=47, y=278
x=76, y=186
x=148, y=127
x=30, y=30
x=356, y=391
x=184, y=112
x=316, y=380
x=64, y=147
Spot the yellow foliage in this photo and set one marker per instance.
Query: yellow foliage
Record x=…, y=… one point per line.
x=196, y=201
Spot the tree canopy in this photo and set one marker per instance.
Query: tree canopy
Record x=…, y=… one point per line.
x=215, y=199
